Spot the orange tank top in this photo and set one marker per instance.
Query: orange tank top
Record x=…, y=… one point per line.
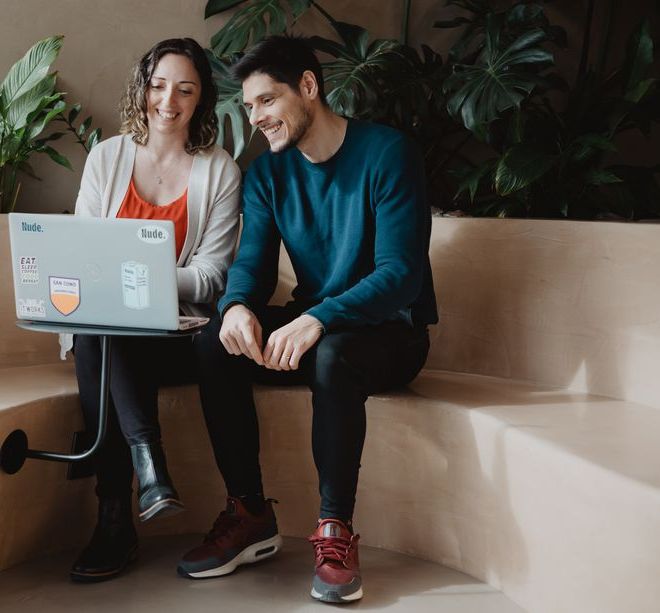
x=135, y=207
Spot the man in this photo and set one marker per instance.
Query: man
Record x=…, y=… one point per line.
x=347, y=199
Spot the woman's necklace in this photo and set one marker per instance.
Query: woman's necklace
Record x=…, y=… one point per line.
x=160, y=170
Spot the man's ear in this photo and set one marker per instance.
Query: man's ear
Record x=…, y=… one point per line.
x=309, y=88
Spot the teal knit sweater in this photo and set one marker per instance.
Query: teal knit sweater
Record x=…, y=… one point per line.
x=356, y=227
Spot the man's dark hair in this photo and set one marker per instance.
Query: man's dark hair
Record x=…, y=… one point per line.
x=284, y=59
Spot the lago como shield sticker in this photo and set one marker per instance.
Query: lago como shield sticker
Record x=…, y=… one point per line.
x=65, y=294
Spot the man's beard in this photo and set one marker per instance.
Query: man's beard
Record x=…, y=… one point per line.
x=299, y=130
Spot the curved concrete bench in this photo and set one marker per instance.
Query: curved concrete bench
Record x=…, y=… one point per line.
x=525, y=454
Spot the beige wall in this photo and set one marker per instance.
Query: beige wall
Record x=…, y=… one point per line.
x=103, y=39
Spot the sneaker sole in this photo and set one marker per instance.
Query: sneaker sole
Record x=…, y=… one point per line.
x=254, y=553
x=163, y=508
x=330, y=594
x=98, y=577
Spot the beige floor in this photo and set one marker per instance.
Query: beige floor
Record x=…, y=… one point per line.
x=392, y=582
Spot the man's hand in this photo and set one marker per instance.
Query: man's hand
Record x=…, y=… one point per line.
x=289, y=343
x=241, y=333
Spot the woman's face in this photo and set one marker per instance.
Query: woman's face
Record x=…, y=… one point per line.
x=172, y=95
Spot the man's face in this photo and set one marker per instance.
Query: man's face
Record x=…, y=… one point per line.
x=282, y=115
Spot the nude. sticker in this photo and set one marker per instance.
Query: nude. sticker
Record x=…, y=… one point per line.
x=135, y=285
x=31, y=307
x=153, y=235
x=64, y=294
x=28, y=269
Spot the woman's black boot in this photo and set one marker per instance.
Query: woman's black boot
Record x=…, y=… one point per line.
x=113, y=545
x=156, y=494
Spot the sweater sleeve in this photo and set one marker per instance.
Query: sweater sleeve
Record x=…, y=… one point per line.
x=402, y=221
x=203, y=278
x=253, y=276
x=90, y=194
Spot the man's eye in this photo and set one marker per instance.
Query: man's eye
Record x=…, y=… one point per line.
x=268, y=101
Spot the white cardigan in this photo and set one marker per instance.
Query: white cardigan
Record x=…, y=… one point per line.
x=213, y=210
x=213, y=213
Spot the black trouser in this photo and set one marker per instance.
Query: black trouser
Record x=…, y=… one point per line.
x=139, y=366
x=342, y=370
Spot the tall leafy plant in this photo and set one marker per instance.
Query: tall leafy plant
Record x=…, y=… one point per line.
x=502, y=133
x=358, y=77
x=550, y=156
x=383, y=80
x=29, y=102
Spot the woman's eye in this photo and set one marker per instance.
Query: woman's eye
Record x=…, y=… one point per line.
x=187, y=92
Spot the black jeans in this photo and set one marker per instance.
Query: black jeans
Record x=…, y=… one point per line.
x=342, y=370
x=139, y=366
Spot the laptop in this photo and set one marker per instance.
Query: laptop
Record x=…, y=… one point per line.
x=88, y=271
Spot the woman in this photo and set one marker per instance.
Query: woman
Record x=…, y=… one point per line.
x=165, y=165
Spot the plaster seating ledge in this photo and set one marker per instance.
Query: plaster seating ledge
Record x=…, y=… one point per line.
x=526, y=453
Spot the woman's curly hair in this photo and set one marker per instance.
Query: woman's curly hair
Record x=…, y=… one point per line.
x=203, y=129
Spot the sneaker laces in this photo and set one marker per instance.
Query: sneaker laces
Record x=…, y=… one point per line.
x=332, y=548
x=222, y=526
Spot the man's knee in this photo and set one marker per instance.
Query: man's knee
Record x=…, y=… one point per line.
x=333, y=365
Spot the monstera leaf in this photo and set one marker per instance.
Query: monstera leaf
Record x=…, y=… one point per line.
x=413, y=95
x=250, y=24
x=355, y=79
x=471, y=26
x=498, y=81
x=230, y=106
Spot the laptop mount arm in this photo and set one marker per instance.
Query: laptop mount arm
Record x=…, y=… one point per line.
x=14, y=450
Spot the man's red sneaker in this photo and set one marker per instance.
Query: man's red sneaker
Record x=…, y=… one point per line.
x=237, y=537
x=337, y=577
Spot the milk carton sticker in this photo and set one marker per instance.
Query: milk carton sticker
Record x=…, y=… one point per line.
x=28, y=270
x=31, y=308
x=135, y=285
x=64, y=294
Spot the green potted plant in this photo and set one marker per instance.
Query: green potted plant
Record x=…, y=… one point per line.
x=501, y=133
x=29, y=102
x=553, y=156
